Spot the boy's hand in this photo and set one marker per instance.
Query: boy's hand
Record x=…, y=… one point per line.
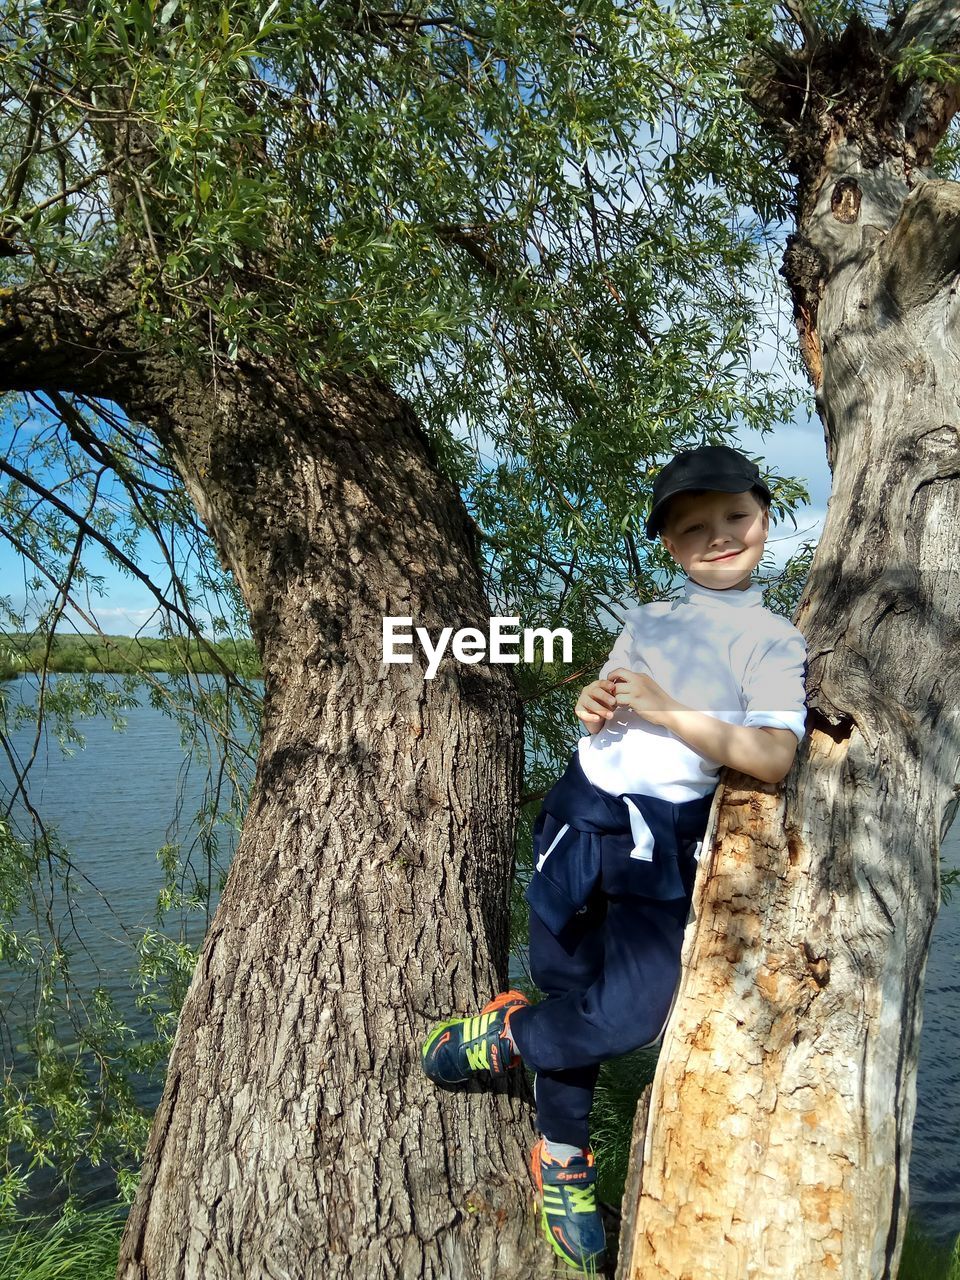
x=596, y=704
x=643, y=695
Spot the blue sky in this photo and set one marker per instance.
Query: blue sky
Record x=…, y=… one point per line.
x=125, y=605
x=127, y=608
x=797, y=448
x=121, y=605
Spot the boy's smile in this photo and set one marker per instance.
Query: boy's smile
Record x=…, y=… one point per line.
x=716, y=537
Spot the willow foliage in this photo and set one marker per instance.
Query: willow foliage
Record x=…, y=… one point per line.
x=547, y=224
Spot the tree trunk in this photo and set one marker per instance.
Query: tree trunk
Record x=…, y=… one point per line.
x=297, y=1135
x=778, y=1136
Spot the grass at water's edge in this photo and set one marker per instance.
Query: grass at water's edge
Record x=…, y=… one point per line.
x=79, y=1246
x=86, y=1245
x=124, y=655
x=922, y=1259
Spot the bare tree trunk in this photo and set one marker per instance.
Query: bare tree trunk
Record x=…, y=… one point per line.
x=778, y=1136
x=297, y=1135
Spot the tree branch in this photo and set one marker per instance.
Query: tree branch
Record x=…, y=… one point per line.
x=18, y=178
x=801, y=15
x=59, y=335
x=931, y=24
x=930, y=27
x=469, y=240
x=101, y=452
x=85, y=527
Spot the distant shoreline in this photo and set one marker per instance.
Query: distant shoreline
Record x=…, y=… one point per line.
x=23, y=654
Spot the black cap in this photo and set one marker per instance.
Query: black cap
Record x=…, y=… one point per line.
x=711, y=466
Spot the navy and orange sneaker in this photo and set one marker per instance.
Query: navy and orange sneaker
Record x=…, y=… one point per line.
x=570, y=1218
x=460, y=1047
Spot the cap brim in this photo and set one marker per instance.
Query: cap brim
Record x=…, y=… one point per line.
x=728, y=486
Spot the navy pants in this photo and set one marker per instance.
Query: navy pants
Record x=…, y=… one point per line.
x=609, y=978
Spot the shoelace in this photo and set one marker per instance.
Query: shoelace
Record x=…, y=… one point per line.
x=583, y=1199
x=477, y=1057
x=477, y=1054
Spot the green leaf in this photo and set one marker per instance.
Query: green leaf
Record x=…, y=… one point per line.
x=268, y=14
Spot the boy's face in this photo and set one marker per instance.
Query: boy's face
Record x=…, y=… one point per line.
x=702, y=527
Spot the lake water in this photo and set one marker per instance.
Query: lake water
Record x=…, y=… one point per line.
x=113, y=803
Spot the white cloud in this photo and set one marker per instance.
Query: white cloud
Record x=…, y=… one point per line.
x=126, y=622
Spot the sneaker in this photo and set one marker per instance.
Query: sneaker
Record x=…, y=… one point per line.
x=569, y=1218
x=459, y=1048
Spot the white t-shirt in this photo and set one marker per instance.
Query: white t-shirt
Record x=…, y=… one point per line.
x=720, y=652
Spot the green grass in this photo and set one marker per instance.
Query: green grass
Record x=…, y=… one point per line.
x=78, y=1246
x=923, y=1260
x=20, y=653
x=621, y=1082
x=86, y=1245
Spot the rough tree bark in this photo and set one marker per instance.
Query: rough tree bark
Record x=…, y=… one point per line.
x=296, y=1135
x=777, y=1138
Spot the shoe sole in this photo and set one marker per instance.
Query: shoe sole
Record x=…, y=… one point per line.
x=514, y=998
x=593, y=1267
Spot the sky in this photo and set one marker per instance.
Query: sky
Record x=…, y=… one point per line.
x=126, y=608
x=796, y=448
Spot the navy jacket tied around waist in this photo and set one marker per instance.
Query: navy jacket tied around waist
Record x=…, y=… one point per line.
x=633, y=844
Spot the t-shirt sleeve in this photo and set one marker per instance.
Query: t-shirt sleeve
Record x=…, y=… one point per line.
x=620, y=654
x=774, y=687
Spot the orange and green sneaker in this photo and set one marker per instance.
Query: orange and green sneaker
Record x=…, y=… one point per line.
x=569, y=1216
x=457, y=1049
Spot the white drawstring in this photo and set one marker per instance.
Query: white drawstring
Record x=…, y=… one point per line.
x=642, y=835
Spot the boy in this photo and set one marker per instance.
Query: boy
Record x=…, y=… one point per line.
x=710, y=679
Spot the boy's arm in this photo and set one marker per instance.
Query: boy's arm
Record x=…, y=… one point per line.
x=774, y=693
x=774, y=690
x=762, y=752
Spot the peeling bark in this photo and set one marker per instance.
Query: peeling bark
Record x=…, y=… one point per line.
x=777, y=1137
